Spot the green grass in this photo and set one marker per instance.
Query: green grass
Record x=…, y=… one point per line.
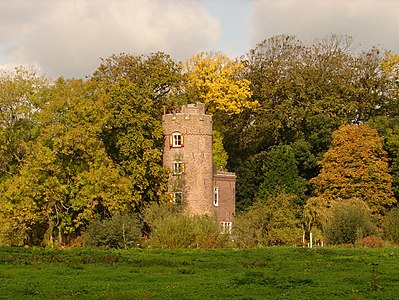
x=268, y=273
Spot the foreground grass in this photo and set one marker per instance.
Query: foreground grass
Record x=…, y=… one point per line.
x=269, y=273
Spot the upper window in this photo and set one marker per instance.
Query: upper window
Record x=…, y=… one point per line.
x=176, y=140
x=216, y=196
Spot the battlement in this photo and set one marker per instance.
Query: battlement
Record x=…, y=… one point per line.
x=194, y=109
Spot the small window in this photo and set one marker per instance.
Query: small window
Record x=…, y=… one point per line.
x=178, y=168
x=176, y=197
x=226, y=227
x=216, y=196
x=176, y=140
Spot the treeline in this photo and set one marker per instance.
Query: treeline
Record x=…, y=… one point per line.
x=307, y=129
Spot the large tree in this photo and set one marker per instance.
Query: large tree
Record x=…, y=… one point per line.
x=280, y=174
x=388, y=128
x=19, y=102
x=305, y=92
x=138, y=90
x=356, y=167
x=66, y=177
x=218, y=81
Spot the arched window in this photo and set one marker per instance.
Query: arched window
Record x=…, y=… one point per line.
x=216, y=196
x=176, y=140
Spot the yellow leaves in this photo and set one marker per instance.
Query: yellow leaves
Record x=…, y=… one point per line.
x=356, y=167
x=390, y=64
x=217, y=81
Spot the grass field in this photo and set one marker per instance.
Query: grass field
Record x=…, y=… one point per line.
x=268, y=273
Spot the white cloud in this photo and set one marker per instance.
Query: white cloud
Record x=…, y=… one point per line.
x=68, y=37
x=369, y=22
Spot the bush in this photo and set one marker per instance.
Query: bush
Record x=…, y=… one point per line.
x=268, y=223
x=372, y=242
x=390, y=226
x=120, y=231
x=348, y=222
x=173, y=229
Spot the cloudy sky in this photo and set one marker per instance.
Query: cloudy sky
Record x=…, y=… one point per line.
x=68, y=37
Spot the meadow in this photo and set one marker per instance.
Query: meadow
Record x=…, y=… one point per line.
x=267, y=273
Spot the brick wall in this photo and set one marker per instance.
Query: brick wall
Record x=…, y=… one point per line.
x=226, y=183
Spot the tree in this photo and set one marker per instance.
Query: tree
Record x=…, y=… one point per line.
x=67, y=177
x=248, y=181
x=356, y=167
x=280, y=173
x=219, y=155
x=305, y=92
x=388, y=127
x=19, y=102
x=349, y=222
x=391, y=226
x=390, y=67
x=138, y=89
x=217, y=81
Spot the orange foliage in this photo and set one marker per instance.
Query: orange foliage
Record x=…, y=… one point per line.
x=356, y=167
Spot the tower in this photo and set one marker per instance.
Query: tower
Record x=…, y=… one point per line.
x=193, y=181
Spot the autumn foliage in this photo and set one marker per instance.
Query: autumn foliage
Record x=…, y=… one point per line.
x=294, y=121
x=217, y=81
x=356, y=167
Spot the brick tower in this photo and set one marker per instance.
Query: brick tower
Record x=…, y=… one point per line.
x=188, y=153
x=193, y=182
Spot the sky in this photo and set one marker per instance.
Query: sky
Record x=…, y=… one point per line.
x=69, y=37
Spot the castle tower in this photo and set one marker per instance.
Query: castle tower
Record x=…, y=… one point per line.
x=188, y=154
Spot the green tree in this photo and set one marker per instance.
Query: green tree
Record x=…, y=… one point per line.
x=219, y=155
x=308, y=91
x=348, y=223
x=280, y=173
x=138, y=89
x=305, y=92
x=66, y=177
x=356, y=167
x=248, y=181
x=390, y=226
x=19, y=102
x=388, y=127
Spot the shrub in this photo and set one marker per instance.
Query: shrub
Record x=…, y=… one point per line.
x=348, y=222
x=172, y=229
x=154, y=214
x=268, y=223
x=390, y=226
x=372, y=242
x=120, y=231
